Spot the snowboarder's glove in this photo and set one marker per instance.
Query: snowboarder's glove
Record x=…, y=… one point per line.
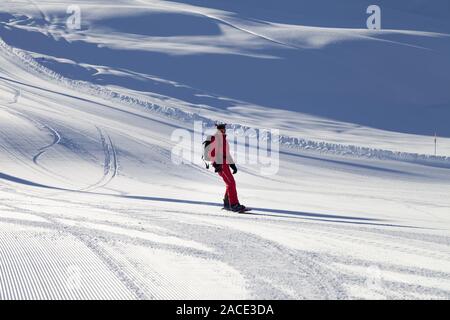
x=217, y=167
x=233, y=167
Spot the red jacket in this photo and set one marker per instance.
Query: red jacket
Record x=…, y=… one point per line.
x=220, y=149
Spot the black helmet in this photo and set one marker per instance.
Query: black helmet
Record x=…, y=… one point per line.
x=220, y=125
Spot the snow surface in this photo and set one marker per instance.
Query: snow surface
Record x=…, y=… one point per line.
x=92, y=205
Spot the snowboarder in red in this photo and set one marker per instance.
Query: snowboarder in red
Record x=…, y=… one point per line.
x=222, y=162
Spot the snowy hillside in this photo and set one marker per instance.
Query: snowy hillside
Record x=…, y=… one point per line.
x=93, y=206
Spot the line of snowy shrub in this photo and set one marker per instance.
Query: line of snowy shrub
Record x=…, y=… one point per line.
x=365, y=152
x=33, y=66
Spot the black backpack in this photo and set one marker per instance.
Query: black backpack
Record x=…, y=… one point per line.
x=206, y=151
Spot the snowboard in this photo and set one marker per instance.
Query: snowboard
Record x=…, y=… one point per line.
x=242, y=211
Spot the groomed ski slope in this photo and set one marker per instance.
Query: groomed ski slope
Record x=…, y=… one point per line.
x=92, y=206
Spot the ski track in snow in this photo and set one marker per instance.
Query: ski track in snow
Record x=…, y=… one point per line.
x=110, y=166
x=41, y=126
x=53, y=132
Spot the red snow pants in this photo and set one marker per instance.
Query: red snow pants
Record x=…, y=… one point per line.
x=228, y=178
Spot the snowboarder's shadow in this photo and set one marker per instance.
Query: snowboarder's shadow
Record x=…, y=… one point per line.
x=280, y=213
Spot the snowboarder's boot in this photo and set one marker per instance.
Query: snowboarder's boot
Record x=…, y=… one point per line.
x=226, y=203
x=238, y=208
